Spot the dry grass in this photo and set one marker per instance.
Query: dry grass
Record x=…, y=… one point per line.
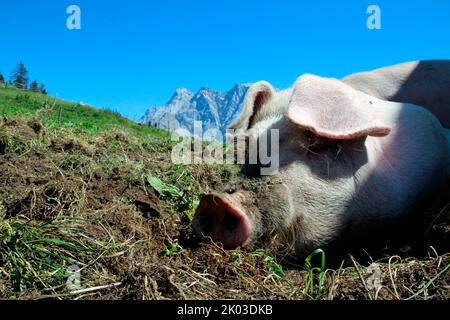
x=72, y=198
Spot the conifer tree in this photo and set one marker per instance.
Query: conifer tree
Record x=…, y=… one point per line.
x=34, y=86
x=19, y=77
x=42, y=89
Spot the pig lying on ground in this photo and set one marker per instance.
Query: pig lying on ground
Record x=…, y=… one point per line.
x=353, y=164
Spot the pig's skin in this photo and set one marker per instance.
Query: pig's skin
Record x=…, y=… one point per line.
x=423, y=83
x=354, y=189
x=365, y=193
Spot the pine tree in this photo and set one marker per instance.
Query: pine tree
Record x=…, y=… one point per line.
x=19, y=76
x=34, y=86
x=42, y=89
x=2, y=79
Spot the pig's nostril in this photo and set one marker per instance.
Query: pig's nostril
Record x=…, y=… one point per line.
x=221, y=220
x=230, y=222
x=206, y=223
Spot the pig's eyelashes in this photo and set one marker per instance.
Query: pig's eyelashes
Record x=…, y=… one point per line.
x=312, y=144
x=309, y=135
x=317, y=146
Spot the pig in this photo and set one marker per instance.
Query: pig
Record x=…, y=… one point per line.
x=423, y=83
x=356, y=156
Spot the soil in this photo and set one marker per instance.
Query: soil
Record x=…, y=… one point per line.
x=41, y=187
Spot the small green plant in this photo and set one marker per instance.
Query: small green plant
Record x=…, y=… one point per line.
x=165, y=190
x=273, y=267
x=172, y=248
x=312, y=270
x=236, y=254
x=270, y=264
x=181, y=200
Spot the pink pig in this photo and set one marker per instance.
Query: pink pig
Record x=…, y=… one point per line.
x=356, y=156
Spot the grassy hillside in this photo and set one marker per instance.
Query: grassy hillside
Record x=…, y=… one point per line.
x=85, y=188
x=57, y=113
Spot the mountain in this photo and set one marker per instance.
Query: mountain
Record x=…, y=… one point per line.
x=215, y=110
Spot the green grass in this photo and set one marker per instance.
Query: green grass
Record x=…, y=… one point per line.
x=84, y=119
x=272, y=267
x=37, y=254
x=312, y=290
x=171, y=249
x=60, y=221
x=77, y=142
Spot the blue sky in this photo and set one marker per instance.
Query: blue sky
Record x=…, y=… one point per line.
x=132, y=54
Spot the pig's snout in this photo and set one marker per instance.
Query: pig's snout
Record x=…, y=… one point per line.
x=219, y=218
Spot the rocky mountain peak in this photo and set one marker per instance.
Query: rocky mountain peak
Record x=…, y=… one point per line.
x=214, y=109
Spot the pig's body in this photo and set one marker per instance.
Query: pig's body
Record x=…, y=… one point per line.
x=423, y=83
x=352, y=166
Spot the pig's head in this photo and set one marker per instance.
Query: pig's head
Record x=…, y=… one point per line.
x=322, y=125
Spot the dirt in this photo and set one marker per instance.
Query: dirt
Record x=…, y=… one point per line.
x=113, y=208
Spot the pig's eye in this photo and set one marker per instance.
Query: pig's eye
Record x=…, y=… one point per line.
x=318, y=147
x=315, y=145
x=312, y=143
x=309, y=135
x=230, y=190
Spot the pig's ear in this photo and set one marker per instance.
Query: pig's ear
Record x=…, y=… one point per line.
x=257, y=95
x=333, y=110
